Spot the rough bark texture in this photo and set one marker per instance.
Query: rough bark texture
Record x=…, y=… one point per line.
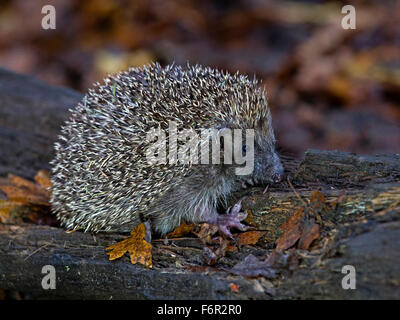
x=360, y=224
x=31, y=113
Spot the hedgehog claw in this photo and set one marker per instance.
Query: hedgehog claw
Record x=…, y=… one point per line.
x=232, y=219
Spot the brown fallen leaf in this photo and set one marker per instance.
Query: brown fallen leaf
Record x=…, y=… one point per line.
x=249, y=237
x=299, y=227
x=23, y=195
x=25, y=192
x=26, y=200
x=43, y=180
x=293, y=220
x=292, y=231
x=309, y=234
x=23, y=183
x=230, y=248
x=182, y=230
x=139, y=250
x=211, y=256
x=206, y=232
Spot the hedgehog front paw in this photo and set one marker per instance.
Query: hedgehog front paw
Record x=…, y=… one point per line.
x=232, y=219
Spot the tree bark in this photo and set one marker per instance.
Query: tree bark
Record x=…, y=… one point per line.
x=31, y=113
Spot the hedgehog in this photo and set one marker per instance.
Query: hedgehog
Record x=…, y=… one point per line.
x=103, y=179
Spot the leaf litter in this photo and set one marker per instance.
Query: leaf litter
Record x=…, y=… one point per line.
x=27, y=200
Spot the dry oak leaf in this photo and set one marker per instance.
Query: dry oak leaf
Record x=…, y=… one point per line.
x=139, y=250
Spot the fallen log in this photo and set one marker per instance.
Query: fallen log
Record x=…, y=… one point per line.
x=358, y=207
x=31, y=113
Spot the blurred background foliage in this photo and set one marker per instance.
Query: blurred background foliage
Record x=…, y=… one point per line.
x=328, y=88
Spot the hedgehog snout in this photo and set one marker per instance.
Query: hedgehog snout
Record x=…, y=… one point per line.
x=275, y=168
x=277, y=177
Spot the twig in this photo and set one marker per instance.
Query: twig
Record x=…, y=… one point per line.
x=296, y=193
x=178, y=248
x=38, y=249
